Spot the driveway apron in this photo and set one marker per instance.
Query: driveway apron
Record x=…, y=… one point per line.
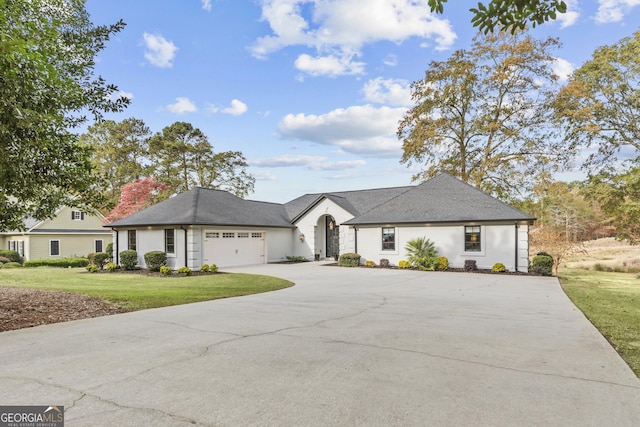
x=343, y=347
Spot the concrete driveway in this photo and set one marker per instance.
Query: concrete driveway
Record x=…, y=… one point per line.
x=343, y=347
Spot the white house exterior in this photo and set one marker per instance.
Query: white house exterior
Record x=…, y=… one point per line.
x=205, y=226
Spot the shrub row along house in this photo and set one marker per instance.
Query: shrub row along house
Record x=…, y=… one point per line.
x=204, y=226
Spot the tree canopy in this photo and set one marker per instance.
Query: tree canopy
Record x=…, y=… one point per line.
x=509, y=15
x=47, y=87
x=482, y=115
x=600, y=105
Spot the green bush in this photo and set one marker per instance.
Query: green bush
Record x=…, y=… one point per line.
x=109, y=251
x=369, y=263
x=12, y=264
x=129, y=259
x=100, y=259
x=213, y=268
x=403, y=264
x=13, y=256
x=185, y=271
x=155, y=260
x=349, y=260
x=92, y=268
x=112, y=266
x=442, y=264
x=204, y=268
x=165, y=270
x=62, y=262
x=421, y=253
x=498, y=267
x=542, y=264
x=297, y=259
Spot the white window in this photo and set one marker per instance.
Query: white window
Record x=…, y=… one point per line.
x=472, y=238
x=211, y=235
x=21, y=247
x=131, y=240
x=388, y=239
x=256, y=235
x=243, y=235
x=77, y=215
x=170, y=241
x=54, y=247
x=12, y=245
x=228, y=235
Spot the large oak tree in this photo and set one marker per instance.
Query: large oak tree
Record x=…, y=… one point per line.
x=483, y=115
x=47, y=87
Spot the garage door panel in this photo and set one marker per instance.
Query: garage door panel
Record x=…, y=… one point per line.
x=230, y=248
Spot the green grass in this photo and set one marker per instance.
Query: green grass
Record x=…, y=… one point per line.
x=611, y=301
x=138, y=291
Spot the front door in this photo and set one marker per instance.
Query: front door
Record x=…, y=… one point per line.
x=333, y=237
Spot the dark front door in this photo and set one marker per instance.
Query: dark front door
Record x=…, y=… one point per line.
x=333, y=241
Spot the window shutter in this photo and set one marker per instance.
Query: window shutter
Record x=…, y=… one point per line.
x=82, y=216
x=72, y=214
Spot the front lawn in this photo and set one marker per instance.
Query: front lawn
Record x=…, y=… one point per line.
x=611, y=301
x=138, y=291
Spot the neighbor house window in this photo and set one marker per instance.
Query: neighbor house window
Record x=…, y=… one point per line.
x=12, y=245
x=388, y=239
x=98, y=245
x=472, y=238
x=21, y=247
x=131, y=240
x=170, y=241
x=54, y=247
x=77, y=215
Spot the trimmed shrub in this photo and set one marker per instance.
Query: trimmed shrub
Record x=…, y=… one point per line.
x=349, y=260
x=92, y=268
x=109, y=251
x=100, y=259
x=442, y=264
x=165, y=270
x=470, y=265
x=542, y=264
x=185, y=271
x=384, y=263
x=403, y=264
x=4, y=259
x=204, y=268
x=129, y=259
x=62, y=262
x=213, y=268
x=297, y=258
x=155, y=260
x=369, y=263
x=12, y=264
x=13, y=256
x=91, y=257
x=112, y=266
x=498, y=267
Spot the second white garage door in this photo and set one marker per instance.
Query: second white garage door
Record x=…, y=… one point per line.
x=229, y=248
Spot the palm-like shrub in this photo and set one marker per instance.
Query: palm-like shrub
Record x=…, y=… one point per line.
x=421, y=253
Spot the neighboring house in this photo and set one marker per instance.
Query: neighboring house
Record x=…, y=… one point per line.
x=203, y=226
x=71, y=232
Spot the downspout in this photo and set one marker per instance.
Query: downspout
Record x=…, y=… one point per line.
x=355, y=239
x=117, y=244
x=516, y=248
x=185, y=244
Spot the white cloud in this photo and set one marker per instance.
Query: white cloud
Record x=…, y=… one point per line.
x=236, y=108
x=571, y=16
x=337, y=30
x=388, y=92
x=562, y=68
x=614, y=10
x=206, y=5
x=365, y=130
x=391, y=60
x=264, y=175
x=309, y=162
x=328, y=65
x=159, y=51
x=182, y=105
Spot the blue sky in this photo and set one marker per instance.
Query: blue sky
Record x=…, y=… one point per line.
x=310, y=91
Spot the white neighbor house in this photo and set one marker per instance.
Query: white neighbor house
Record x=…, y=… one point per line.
x=204, y=226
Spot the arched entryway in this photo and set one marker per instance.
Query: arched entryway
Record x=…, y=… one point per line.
x=332, y=237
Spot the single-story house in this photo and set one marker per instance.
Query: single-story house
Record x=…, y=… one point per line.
x=204, y=226
x=71, y=232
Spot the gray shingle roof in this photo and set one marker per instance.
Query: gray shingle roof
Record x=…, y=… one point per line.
x=443, y=198
x=202, y=206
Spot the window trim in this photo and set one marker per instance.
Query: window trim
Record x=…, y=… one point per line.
x=51, y=247
x=471, y=233
x=135, y=240
x=170, y=245
x=391, y=243
x=77, y=215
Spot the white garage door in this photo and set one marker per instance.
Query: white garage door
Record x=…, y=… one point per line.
x=228, y=248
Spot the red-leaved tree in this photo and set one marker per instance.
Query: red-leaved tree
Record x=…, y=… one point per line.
x=137, y=196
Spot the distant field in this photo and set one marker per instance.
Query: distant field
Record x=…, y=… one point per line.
x=606, y=252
